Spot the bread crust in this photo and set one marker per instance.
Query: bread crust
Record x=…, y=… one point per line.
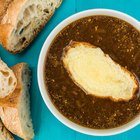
x=10, y=106
x=3, y=7
x=9, y=21
x=59, y=3
x=13, y=99
x=73, y=44
x=10, y=119
x=9, y=112
x=5, y=31
x=4, y=133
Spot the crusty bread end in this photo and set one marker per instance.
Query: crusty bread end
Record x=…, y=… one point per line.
x=17, y=118
x=23, y=20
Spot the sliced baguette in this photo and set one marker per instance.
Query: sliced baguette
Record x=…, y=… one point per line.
x=4, y=133
x=23, y=20
x=96, y=73
x=17, y=119
x=8, y=81
x=3, y=7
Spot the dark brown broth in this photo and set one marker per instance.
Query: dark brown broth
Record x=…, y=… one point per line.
x=115, y=37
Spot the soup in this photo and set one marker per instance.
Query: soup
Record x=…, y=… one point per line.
x=118, y=39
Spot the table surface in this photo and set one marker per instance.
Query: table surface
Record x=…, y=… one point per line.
x=46, y=126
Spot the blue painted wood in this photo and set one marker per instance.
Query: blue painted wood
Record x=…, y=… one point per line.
x=47, y=127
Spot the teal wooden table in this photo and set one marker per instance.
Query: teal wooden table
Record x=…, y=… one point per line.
x=46, y=126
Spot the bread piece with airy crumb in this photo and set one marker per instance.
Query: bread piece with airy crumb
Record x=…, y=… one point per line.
x=22, y=20
x=17, y=118
x=96, y=73
x=8, y=81
x=4, y=133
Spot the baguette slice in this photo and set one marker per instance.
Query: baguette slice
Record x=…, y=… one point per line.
x=17, y=119
x=23, y=20
x=4, y=133
x=8, y=81
x=97, y=74
x=3, y=7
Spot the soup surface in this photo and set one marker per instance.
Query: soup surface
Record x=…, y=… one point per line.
x=115, y=37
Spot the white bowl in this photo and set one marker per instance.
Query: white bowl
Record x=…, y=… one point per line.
x=44, y=93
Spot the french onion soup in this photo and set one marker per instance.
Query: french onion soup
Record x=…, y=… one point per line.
x=92, y=72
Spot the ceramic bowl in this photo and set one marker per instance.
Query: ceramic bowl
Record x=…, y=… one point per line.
x=41, y=63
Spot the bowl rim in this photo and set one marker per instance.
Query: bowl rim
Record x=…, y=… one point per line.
x=40, y=73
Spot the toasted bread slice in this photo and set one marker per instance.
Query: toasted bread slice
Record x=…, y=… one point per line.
x=17, y=118
x=97, y=74
x=22, y=20
x=4, y=133
x=8, y=81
